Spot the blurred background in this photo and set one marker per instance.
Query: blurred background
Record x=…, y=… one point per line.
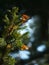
x=38, y=27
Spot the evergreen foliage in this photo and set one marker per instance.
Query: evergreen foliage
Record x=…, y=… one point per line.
x=11, y=39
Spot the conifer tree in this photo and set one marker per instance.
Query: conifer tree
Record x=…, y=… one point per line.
x=11, y=39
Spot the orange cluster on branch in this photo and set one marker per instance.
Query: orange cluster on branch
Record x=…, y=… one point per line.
x=24, y=47
x=24, y=18
x=10, y=29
